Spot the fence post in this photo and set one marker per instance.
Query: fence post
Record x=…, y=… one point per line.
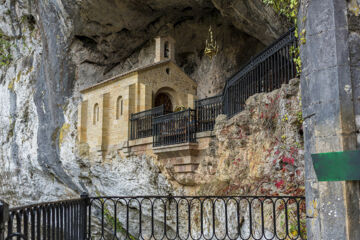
x=83, y=215
x=4, y=215
x=131, y=127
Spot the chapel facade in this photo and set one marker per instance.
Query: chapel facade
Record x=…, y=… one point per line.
x=106, y=107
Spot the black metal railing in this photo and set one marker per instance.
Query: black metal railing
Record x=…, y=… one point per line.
x=141, y=122
x=263, y=73
x=174, y=128
x=207, y=110
x=161, y=217
x=52, y=220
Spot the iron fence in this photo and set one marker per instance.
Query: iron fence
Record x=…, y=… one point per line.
x=200, y=217
x=51, y=220
x=160, y=217
x=207, y=110
x=174, y=128
x=141, y=122
x=263, y=73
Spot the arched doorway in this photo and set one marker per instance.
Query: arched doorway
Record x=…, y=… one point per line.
x=164, y=99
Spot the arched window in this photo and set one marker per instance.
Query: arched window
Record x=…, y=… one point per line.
x=96, y=113
x=119, y=107
x=166, y=49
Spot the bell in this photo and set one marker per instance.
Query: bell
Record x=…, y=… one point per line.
x=211, y=47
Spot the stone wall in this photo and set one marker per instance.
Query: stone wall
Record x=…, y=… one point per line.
x=329, y=84
x=170, y=78
x=104, y=126
x=96, y=133
x=258, y=151
x=354, y=52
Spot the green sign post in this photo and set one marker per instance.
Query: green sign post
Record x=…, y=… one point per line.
x=337, y=166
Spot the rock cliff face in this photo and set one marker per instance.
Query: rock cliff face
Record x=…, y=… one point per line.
x=260, y=150
x=51, y=49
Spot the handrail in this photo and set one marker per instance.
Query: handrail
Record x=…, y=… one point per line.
x=268, y=51
x=174, y=128
x=169, y=115
x=141, y=122
x=263, y=73
x=43, y=204
x=209, y=100
x=159, y=109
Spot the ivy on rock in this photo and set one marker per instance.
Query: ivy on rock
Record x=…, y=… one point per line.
x=290, y=9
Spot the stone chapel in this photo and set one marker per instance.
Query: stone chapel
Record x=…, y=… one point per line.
x=103, y=120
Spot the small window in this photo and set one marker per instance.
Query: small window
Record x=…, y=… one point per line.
x=119, y=107
x=168, y=71
x=96, y=113
x=166, y=49
x=121, y=112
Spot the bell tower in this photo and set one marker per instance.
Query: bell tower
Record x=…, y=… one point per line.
x=164, y=49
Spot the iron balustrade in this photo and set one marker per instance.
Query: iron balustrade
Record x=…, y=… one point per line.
x=174, y=128
x=141, y=122
x=161, y=217
x=51, y=220
x=263, y=73
x=207, y=110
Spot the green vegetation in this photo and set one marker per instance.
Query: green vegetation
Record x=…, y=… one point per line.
x=11, y=129
x=290, y=9
x=63, y=131
x=5, y=50
x=287, y=8
x=112, y=221
x=11, y=85
x=300, y=118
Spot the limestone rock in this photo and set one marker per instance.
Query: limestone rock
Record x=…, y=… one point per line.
x=60, y=46
x=259, y=151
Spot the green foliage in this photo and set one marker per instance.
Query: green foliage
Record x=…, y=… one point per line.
x=111, y=220
x=300, y=118
x=5, y=50
x=179, y=108
x=11, y=129
x=290, y=9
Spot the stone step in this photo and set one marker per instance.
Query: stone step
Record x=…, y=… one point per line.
x=184, y=161
x=188, y=168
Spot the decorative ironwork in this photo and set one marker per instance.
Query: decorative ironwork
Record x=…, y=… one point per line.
x=211, y=48
x=263, y=73
x=51, y=220
x=161, y=217
x=207, y=110
x=174, y=128
x=141, y=122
